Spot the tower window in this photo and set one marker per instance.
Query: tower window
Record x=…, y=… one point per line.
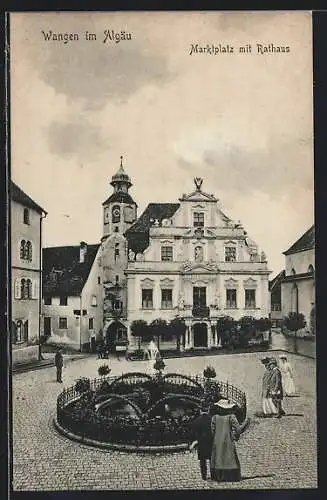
x=116, y=250
x=116, y=213
x=116, y=229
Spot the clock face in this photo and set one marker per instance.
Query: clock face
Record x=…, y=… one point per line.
x=116, y=212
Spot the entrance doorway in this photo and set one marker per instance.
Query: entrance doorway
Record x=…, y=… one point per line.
x=116, y=332
x=200, y=331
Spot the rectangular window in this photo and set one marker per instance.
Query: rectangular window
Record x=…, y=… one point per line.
x=99, y=280
x=147, y=300
x=198, y=219
x=63, y=323
x=63, y=300
x=91, y=324
x=167, y=254
x=116, y=250
x=94, y=300
x=166, y=299
x=48, y=301
x=231, y=298
x=199, y=296
x=250, y=299
x=230, y=254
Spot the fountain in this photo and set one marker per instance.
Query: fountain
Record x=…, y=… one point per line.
x=140, y=412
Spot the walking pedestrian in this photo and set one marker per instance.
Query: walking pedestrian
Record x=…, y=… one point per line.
x=268, y=407
x=287, y=376
x=276, y=387
x=201, y=430
x=224, y=463
x=59, y=362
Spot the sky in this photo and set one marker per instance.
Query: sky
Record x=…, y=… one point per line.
x=242, y=122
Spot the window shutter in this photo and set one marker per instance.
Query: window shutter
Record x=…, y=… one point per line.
x=17, y=289
x=35, y=290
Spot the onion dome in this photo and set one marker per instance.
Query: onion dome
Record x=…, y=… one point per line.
x=120, y=177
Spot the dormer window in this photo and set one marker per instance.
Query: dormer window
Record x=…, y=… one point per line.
x=26, y=216
x=198, y=219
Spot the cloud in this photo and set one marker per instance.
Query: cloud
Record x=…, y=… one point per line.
x=80, y=139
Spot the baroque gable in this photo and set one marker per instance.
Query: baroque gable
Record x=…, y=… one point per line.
x=190, y=267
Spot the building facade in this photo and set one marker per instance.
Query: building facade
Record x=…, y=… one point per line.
x=298, y=285
x=190, y=260
x=73, y=295
x=275, y=288
x=26, y=270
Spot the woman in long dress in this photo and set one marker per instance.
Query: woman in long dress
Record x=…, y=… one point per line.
x=268, y=406
x=224, y=462
x=287, y=376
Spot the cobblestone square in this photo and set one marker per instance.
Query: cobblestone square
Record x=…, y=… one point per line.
x=274, y=454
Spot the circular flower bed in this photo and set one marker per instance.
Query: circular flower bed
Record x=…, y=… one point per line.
x=139, y=411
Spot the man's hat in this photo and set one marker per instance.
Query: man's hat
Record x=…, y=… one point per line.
x=265, y=361
x=225, y=404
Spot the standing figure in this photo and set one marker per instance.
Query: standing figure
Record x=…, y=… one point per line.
x=287, y=376
x=268, y=406
x=224, y=463
x=201, y=431
x=59, y=362
x=276, y=387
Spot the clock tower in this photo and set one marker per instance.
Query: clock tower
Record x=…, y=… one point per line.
x=119, y=213
x=119, y=210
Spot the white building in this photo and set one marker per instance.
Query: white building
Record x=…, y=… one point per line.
x=189, y=259
x=298, y=284
x=72, y=295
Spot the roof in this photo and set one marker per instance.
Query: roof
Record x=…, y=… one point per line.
x=17, y=194
x=63, y=274
x=276, y=280
x=119, y=197
x=138, y=234
x=306, y=242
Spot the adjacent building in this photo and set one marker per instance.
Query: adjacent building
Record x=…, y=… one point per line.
x=298, y=284
x=275, y=288
x=26, y=275
x=72, y=295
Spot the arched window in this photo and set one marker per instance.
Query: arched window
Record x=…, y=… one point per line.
x=115, y=213
x=293, y=273
x=29, y=288
x=26, y=216
x=198, y=254
x=28, y=250
x=22, y=288
x=311, y=269
x=22, y=249
x=294, y=299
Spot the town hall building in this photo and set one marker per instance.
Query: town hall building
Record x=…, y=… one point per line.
x=185, y=259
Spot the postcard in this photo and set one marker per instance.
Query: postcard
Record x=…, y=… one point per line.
x=162, y=251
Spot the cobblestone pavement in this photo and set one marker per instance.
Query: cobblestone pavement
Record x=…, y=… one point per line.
x=274, y=453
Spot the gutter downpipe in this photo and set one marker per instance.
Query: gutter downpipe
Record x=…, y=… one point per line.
x=40, y=283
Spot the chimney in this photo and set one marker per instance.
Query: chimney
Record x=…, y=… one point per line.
x=82, y=252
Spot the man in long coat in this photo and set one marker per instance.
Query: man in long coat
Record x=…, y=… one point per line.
x=202, y=434
x=276, y=387
x=59, y=362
